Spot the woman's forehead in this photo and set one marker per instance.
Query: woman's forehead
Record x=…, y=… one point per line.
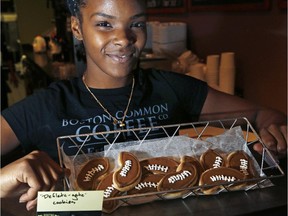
x=75, y=5
x=119, y=9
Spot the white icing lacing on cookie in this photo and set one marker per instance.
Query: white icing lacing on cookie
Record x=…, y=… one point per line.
x=146, y=185
x=89, y=175
x=157, y=167
x=126, y=168
x=244, y=166
x=218, y=162
x=222, y=178
x=108, y=191
x=179, y=177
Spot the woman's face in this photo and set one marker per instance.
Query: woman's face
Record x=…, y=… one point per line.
x=113, y=33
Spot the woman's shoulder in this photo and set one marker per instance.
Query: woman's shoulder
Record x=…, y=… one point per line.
x=158, y=72
x=167, y=76
x=57, y=90
x=61, y=85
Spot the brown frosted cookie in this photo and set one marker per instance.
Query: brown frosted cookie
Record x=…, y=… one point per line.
x=106, y=184
x=185, y=176
x=195, y=162
x=220, y=175
x=159, y=165
x=212, y=159
x=129, y=173
x=148, y=183
x=92, y=171
x=241, y=161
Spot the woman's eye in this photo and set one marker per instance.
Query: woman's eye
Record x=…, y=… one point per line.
x=104, y=24
x=139, y=25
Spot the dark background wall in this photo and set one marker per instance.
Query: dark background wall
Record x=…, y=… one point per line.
x=34, y=18
x=259, y=40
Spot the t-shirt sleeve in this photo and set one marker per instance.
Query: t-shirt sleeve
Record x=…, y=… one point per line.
x=191, y=92
x=24, y=118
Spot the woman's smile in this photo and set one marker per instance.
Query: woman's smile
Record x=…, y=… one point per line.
x=120, y=57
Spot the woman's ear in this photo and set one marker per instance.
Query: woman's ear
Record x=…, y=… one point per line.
x=76, y=28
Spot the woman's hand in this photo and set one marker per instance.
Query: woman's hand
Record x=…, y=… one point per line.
x=275, y=138
x=28, y=175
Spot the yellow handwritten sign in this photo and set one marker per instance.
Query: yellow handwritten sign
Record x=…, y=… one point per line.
x=69, y=201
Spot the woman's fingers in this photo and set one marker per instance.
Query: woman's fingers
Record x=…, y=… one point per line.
x=274, y=138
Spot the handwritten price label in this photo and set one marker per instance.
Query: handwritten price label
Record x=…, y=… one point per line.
x=69, y=201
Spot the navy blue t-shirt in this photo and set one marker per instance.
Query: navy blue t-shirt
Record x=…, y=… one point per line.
x=67, y=108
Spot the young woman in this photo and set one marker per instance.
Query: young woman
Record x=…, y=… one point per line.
x=114, y=93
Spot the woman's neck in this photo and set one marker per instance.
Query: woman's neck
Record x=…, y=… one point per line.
x=106, y=81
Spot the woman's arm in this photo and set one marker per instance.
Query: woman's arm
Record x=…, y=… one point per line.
x=270, y=124
x=9, y=141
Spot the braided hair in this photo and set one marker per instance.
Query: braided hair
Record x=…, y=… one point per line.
x=74, y=7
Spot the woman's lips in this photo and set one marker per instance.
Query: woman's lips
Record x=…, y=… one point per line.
x=120, y=58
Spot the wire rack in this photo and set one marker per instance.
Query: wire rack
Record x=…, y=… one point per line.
x=74, y=150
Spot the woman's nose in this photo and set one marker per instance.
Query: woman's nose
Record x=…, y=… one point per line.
x=124, y=37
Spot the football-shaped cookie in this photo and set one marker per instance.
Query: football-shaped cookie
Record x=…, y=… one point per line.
x=129, y=173
x=106, y=184
x=211, y=159
x=220, y=176
x=185, y=176
x=195, y=162
x=92, y=171
x=159, y=165
x=241, y=161
x=148, y=183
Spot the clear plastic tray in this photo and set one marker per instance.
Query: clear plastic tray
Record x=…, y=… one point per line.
x=75, y=150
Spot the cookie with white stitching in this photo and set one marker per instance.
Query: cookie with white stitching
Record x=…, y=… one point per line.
x=129, y=173
x=148, y=183
x=92, y=171
x=159, y=165
x=212, y=159
x=241, y=161
x=215, y=178
x=185, y=176
x=106, y=184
